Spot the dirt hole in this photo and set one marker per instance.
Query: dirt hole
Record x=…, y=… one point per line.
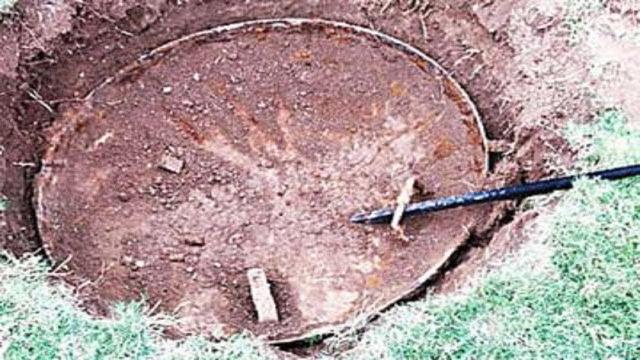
x=249, y=146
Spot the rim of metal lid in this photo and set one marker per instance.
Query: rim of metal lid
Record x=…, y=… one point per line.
x=288, y=22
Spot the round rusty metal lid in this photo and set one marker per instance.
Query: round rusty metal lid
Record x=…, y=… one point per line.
x=250, y=146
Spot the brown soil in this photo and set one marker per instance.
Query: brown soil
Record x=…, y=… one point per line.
x=512, y=57
x=239, y=142
x=285, y=133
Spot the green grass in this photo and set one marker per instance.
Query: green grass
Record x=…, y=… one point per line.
x=571, y=293
x=4, y=203
x=40, y=319
x=578, y=15
x=6, y=5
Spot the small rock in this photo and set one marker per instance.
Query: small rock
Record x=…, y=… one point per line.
x=261, y=295
x=139, y=264
x=190, y=269
x=267, y=164
x=196, y=77
x=126, y=260
x=171, y=164
x=235, y=239
x=192, y=259
x=176, y=257
x=167, y=90
x=124, y=196
x=194, y=241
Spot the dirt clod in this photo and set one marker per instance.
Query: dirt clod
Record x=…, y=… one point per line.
x=124, y=196
x=171, y=164
x=176, y=257
x=195, y=241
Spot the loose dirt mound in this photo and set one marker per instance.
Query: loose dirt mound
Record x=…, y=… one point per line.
x=250, y=146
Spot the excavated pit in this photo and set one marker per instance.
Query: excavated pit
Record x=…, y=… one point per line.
x=249, y=146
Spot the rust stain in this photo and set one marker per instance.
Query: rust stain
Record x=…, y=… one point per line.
x=328, y=31
x=261, y=33
x=339, y=37
x=190, y=129
x=242, y=113
x=452, y=92
x=330, y=62
x=444, y=149
x=217, y=87
x=342, y=39
x=302, y=55
x=397, y=89
x=80, y=123
x=373, y=282
x=478, y=165
x=472, y=131
x=429, y=121
x=422, y=64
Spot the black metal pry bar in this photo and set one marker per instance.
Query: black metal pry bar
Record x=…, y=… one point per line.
x=506, y=193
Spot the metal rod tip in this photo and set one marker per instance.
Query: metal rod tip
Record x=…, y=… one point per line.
x=360, y=218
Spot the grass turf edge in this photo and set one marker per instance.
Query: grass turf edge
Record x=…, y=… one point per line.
x=41, y=318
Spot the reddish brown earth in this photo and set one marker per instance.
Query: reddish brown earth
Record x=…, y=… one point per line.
x=52, y=56
x=284, y=133
x=60, y=53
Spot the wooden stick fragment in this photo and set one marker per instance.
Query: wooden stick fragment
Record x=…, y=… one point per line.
x=404, y=198
x=261, y=295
